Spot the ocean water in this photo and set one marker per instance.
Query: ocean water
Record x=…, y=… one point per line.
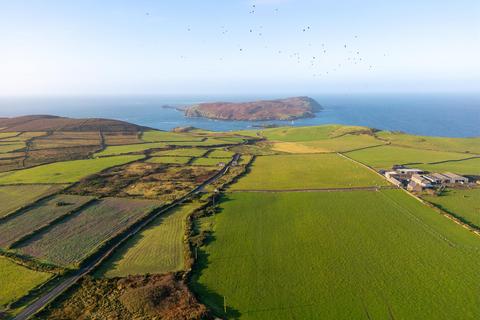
x=453, y=115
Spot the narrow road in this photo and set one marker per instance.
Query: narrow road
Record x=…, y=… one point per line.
x=70, y=280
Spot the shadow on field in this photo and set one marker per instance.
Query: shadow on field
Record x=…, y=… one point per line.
x=206, y=295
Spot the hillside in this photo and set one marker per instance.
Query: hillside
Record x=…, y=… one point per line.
x=282, y=109
x=55, y=123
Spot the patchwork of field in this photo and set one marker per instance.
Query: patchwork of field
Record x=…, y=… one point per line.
x=119, y=138
x=466, y=167
x=67, y=139
x=339, y=255
x=384, y=157
x=16, y=281
x=169, y=160
x=343, y=143
x=74, y=239
x=27, y=221
x=464, y=145
x=13, y=198
x=315, y=171
x=10, y=147
x=158, y=249
x=463, y=203
x=63, y=172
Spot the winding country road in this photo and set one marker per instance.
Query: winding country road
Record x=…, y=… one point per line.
x=71, y=279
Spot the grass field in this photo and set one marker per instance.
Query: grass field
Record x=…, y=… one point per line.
x=294, y=134
x=129, y=148
x=5, y=135
x=169, y=160
x=306, y=172
x=385, y=157
x=210, y=161
x=15, y=197
x=341, y=144
x=16, y=281
x=187, y=152
x=11, y=146
x=470, y=145
x=159, y=136
x=158, y=249
x=337, y=255
x=471, y=166
x=206, y=143
x=38, y=216
x=463, y=203
x=64, y=172
x=70, y=241
x=220, y=153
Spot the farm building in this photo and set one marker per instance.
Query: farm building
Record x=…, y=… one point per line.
x=409, y=172
x=421, y=181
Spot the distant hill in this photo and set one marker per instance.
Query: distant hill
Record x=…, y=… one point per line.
x=282, y=109
x=54, y=123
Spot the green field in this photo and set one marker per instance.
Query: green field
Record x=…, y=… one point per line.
x=208, y=142
x=16, y=281
x=220, y=153
x=159, y=136
x=337, y=255
x=169, y=160
x=210, y=161
x=186, y=152
x=158, y=249
x=463, y=203
x=9, y=147
x=38, y=216
x=15, y=197
x=343, y=143
x=72, y=240
x=4, y=135
x=471, y=166
x=64, y=172
x=129, y=148
x=315, y=171
x=467, y=145
x=294, y=134
x=385, y=157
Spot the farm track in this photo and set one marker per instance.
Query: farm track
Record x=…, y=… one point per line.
x=319, y=190
x=71, y=279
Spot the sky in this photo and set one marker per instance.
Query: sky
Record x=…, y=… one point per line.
x=238, y=46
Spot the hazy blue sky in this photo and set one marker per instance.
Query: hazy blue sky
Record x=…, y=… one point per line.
x=207, y=46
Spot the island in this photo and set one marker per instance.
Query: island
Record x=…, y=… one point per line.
x=281, y=109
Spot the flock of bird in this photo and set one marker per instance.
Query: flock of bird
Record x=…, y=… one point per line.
x=314, y=62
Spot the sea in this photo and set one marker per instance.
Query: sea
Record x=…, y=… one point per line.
x=449, y=115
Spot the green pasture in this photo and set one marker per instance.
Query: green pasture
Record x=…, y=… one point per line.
x=470, y=166
x=186, y=152
x=169, y=160
x=72, y=240
x=160, y=136
x=16, y=281
x=384, y=157
x=294, y=134
x=64, y=172
x=16, y=197
x=129, y=148
x=158, y=249
x=220, y=153
x=314, y=171
x=464, y=203
x=465, y=145
x=11, y=146
x=337, y=255
x=210, y=161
